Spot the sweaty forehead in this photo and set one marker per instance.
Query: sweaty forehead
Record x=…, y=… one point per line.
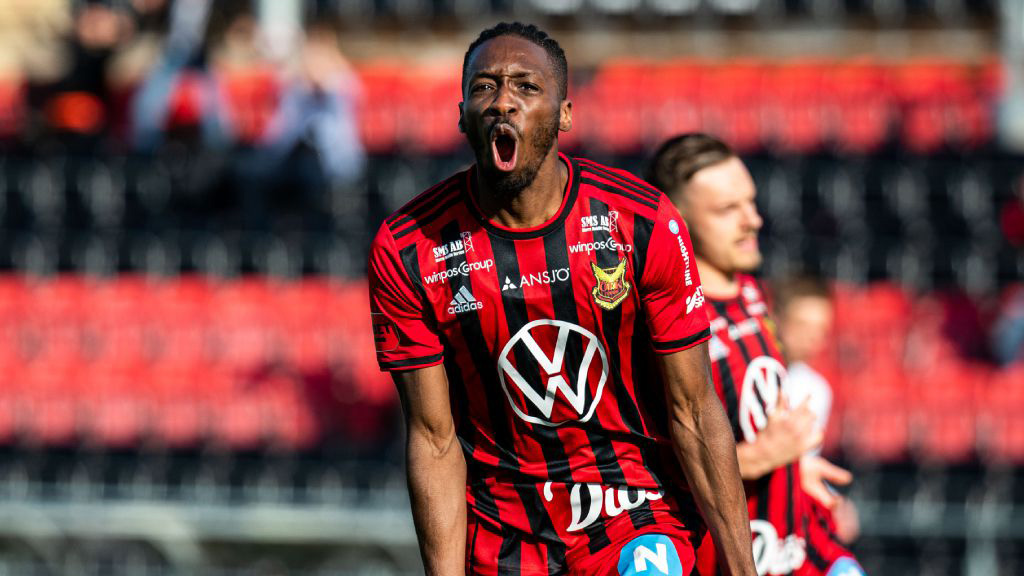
x=508, y=55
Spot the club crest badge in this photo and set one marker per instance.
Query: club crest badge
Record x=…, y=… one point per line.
x=611, y=287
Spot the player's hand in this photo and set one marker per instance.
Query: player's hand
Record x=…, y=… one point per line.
x=790, y=432
x=847, y=521
x=815, y=471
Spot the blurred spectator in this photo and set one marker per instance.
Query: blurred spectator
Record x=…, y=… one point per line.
x=1008, y=332
x=30, y=37
x=179, y=96
x=310, y=146
x=805, y=315
x=76, y=107
x=804, y=312
x=318, y=110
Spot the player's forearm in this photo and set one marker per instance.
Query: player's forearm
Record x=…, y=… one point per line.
x=707, y=452
x=437, y=491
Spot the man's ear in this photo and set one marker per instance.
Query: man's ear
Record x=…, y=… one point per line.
x=565, y=116
x=461, y=127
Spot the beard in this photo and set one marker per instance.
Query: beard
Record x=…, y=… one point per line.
x=509, y=184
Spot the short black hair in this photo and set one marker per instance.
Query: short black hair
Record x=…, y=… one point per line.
x=679, y=158
x=533, y=34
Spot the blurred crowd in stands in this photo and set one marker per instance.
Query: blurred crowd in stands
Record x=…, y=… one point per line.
x=190, y=139
x=160, y=77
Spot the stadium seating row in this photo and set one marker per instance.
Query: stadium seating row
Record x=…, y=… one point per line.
x=242, y=364
x=903, y=389
x=255, y=362
x=798, y=106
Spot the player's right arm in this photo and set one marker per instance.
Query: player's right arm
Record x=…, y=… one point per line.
x=436, y=470
x=408, y=345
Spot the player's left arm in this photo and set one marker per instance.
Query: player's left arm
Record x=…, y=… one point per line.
x=703, y=442
x=702, y=438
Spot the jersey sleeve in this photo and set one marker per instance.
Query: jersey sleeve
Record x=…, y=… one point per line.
x=403, y=329
x=670, y=287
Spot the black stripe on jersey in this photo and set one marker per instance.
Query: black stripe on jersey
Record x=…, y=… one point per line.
x=729, y=392
x=789, y=496
x=812, y=551
x=597, y=534
x=427, y=219
x=611, y=189
x=563, y=299
x=611, y=327
x=823, y=523
x=411, y=262
x=682, y=342
x=412, y=362
x=643, y=228
x=482, y=361
x=764, y=494
x=510, y=553
x=607, y=173
x=642, y=364
x=413, y=221
x=506, y=263
x=424, y=201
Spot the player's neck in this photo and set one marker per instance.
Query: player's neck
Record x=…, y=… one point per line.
x=717, y=284
x=533, y=205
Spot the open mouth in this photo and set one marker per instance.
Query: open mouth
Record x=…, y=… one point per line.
x=504, y=147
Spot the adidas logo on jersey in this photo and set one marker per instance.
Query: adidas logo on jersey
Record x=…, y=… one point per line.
x=463, y=302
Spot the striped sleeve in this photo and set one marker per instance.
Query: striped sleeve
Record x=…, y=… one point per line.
x=670, y=287
x=403, y=328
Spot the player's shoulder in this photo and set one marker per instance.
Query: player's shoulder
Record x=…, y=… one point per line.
x=425, y=212
x=620, y=187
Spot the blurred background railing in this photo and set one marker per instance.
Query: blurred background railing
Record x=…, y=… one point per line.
x=188, y=190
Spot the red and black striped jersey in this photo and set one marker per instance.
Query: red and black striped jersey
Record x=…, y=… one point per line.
x=750, y=378
x=547, y=333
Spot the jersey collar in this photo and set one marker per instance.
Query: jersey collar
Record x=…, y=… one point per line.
x=555, y=222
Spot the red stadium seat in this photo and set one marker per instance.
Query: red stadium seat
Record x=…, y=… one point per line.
x=731, y=103
x=795, y=112
x=433, y=127
x=863, y=107
x=674, y=108
x=381, y=112
x=877, y=435
x=1001, y=429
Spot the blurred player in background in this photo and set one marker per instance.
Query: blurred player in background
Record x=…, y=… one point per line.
x=715, y=194
x=550, y=359
x=803, y=307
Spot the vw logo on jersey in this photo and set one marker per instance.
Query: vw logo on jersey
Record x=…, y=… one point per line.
x=763, y=383
x=553, y=372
